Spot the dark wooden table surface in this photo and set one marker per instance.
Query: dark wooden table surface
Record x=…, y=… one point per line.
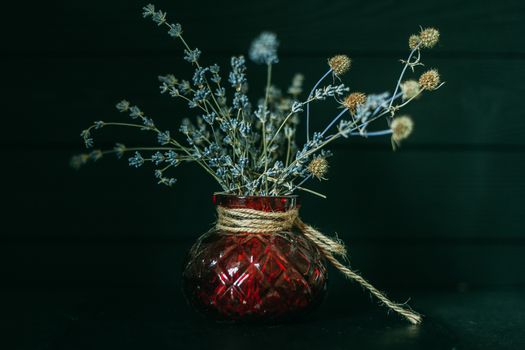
x=73, y=296
x=159, y=318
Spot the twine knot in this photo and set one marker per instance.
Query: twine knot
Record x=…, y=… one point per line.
x=256, y=221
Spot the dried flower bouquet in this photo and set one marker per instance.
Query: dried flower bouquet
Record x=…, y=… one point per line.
x=251, y=149
x=261, y=261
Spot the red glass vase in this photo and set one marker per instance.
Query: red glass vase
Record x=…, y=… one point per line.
x=254, y=276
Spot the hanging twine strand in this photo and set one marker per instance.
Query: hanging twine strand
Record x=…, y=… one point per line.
x=256, y=221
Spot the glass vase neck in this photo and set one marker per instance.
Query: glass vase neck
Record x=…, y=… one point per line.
x=262, y=203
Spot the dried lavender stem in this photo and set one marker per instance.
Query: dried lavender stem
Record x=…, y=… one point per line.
x=198, y=66
x=308, y=106
x=288, y=150
x=307, y=102
x=373, y=133
x=403, y=73
x=334, y=121
x=265, y=146
x=311, y=191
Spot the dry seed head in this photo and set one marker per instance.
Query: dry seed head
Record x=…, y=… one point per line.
x=413, y=41
x=429, y=80
x=410, y=89
x=401, y=128
x=429, y=37
x=353, y=100
x=340, y=64
x=318, y=167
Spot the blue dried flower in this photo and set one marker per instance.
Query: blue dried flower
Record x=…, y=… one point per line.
x=216, y=78
x=136, y=161
x=221, y=173
x=373, y=103
x=157, y=158
x=135, y=112
x=122, y=106
x=185, y=126
x=98, y=124
x=316, y=140
x=175, y=30
x=201, y=95
x=199, y=77
x=159, y=17
x=237, y=171
x=212, y=150
x=193, y=104
x=209, y=118
x=262, y=113
x=192, y=55
x=264, y=48
x=196, y=153
x=240, y=101
x=237, y=77
x=171, y=157
x=148, y=10
x=220, y=92
x=165, y=87
x=163, y=137
x=276, y=169
x=243, y=162
x=214, y=69
x=168, y=79
x=234, y=123
x=119, y=150
x=95, y=155
x=226, y=161
x=86, y=135
x=213, y=162
x=168, y=181
x=225, y=125
x=184, y=87
x=148, y=123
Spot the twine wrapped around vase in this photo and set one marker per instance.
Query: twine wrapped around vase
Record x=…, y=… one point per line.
x=256, y=221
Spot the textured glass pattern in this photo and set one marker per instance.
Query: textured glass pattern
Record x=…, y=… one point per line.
x=248, y=277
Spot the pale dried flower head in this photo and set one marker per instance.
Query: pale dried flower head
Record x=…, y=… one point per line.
x=297, y=85
x=401, y=128
x=429, y=80
x=318, y=167
x=429, y=37
x=353, y=100
x=410, y=89
x=413, y=41
x=340, y=64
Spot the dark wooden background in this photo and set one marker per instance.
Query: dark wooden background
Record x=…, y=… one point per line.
x=445, y=212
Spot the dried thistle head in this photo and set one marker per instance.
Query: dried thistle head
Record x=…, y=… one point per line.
x=353, y=100
x=429, y=37
x=413, y=41
x=318, y=167
x=340, y=64
x=410, y=89
x=429, y=80
x=401, y=128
